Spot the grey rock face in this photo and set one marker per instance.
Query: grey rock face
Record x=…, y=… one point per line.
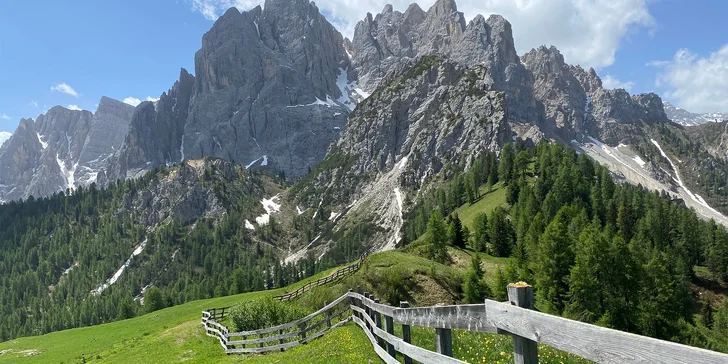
x=266, y=88
x=183, y=195
x=109, y=126
x=61, y=150
x=429, y=116
x=381, y=42
x=155, y=133
x=273, y=88
x=574, y=104
x=687, y=118
x=41, y=157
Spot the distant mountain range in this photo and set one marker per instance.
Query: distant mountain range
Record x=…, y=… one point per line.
x=687, y=118
x=279, y=88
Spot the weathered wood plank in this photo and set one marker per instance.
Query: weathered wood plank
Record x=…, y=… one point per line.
x=285, y=345
x=292, y=324
x=415, y=352
x=379, y=307
x=406, y=335
x=443, y=341
x=461, y=317
x=525, y=351
x=381, y=352
x=592, y=342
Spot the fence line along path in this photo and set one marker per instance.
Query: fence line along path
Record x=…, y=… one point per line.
x=515, y=318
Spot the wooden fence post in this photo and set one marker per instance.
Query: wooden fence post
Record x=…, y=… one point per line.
x=378, y=321
x=303, y=331
x=406, y=335
x=444, y=341
x=389, y=327
x=280, y=332
x=366, y=309
x=328, y=316
x=525, y=351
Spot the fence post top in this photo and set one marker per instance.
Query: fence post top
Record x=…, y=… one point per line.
x=519, y=285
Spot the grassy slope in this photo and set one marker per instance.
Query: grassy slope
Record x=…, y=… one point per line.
x=487, y=203
x=166, y=336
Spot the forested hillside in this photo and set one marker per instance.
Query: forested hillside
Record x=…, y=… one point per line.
x=605, y=253
x=176, y=235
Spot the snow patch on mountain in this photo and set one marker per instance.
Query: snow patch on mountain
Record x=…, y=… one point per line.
x=42, y=143
x=271, y=206
x=109, y=282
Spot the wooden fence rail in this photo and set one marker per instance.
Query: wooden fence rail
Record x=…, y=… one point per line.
x=515, y=318
x=341, y=273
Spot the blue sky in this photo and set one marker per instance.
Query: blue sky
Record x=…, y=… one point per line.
x=135, y=48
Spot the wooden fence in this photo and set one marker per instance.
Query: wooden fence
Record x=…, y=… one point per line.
x=515, y=318
x=321, y=281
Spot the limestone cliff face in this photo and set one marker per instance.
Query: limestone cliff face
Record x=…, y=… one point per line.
x=62, y=149
x=155, y=133
x=430, y=116
x=41, y=157
x=272, y=89
x=381, y=42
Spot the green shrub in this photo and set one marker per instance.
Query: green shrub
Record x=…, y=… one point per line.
x=259, y=314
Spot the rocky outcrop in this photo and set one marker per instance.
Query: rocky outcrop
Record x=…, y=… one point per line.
x=109, y=126
x=41, y=157
x=431, y=115
x=687, y=118
x=273, y=88
x=573, y=103
x=61, y=150
x=381, y=42
x=184, y=193
x=155, y=133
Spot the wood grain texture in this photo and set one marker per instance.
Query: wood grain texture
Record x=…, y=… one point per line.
x=525, y=351
x=592, y=342
x=461, y=317
x=414, y=352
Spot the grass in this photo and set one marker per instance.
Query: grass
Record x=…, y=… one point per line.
x=487, y=203
x=170, y=335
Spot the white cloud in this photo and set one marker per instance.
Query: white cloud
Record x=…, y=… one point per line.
x=587, y=32
x=133, y=101
x=65, y=88
x=697, y=83
x=4, y=116
x=34, y=104
x=74, y=107
x=610, y=82
x=4, y=136
x=152, y=99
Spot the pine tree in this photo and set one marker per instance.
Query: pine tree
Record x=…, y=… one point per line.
x=590, y=265
x=154, y=299
x=507, y=161
x=438, y=238
x=501, y=233
x=481, y=232
x=500, y=286
x=455, y=232
x=553, y=262
x=475, y=290
x=706, y=315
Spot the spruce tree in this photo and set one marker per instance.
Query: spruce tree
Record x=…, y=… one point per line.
x=481, y=232
x=438, y=238
x=475, y=290
x=501, y=233
x=553, y=263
